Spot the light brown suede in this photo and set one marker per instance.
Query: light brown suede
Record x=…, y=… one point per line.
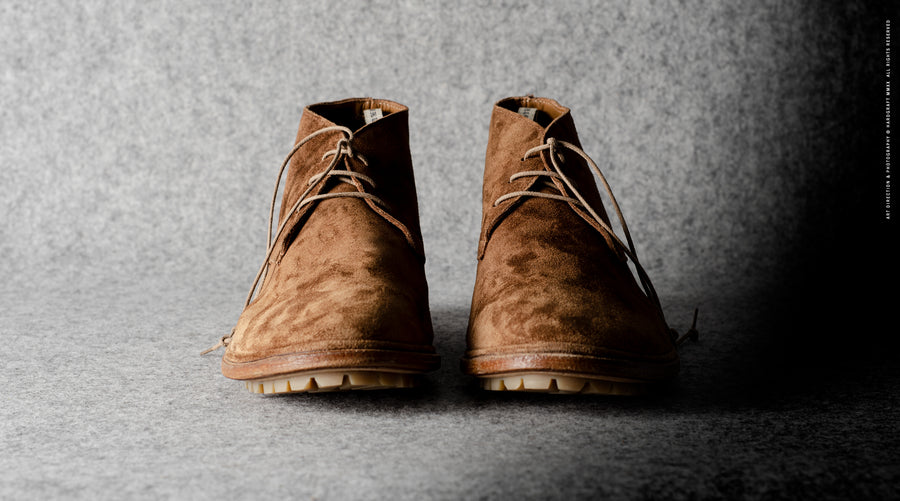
x=553, y=292
x=345, y=286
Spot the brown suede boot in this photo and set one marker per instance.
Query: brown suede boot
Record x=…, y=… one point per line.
x=342, y=300
x=556, y=307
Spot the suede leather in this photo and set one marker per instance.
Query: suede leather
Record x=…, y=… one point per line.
x=551, y=292
x=347, y=275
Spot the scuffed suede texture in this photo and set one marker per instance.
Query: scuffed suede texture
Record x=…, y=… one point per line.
x=548, y=282
x=139, y=144
x=343, y=277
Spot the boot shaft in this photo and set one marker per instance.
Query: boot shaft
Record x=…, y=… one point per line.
x=511, y=134
x=383, y=143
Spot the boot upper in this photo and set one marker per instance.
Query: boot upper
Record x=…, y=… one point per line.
x=346, y=273
x=550, y=279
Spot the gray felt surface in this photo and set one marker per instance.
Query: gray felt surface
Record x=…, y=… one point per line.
x=138, y=145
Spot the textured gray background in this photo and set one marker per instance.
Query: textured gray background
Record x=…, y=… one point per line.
x=139, y=143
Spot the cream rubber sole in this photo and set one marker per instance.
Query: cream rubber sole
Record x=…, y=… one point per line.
x=539, y=382
x=324, y=381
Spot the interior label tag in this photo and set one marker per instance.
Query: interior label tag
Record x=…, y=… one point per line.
x=372, y=115
x=527, y=112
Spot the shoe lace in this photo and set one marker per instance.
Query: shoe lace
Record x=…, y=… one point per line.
x=554, y=148
x=342, y=153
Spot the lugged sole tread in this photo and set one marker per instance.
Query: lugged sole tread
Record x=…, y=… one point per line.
x=326, y=381
x=560, y=384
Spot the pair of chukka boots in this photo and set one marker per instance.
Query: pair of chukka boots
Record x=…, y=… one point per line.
x=341, y=302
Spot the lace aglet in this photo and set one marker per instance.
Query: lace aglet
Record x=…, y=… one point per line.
x=223, y=342
x=212, y=348
x=692, y=333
